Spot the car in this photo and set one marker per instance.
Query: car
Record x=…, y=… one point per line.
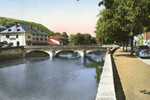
x=143, y=52
x=139, y=48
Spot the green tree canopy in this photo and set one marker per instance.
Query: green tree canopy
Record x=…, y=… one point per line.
x=122, y=19
x=82, y=39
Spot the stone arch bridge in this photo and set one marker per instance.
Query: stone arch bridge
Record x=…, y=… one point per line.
x=53, y=50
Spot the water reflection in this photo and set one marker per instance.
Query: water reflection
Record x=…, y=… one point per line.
x=42, y=79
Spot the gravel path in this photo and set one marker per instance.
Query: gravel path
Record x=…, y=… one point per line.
x=134, y=75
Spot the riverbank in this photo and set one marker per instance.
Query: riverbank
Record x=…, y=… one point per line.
x=17, y=53
x=11, y=53
x=134, y=76
x=106, y=88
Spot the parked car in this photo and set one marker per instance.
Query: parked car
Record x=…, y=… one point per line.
x=143, y=51
x=139, y=48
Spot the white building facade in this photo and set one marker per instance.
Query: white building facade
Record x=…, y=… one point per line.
x=14, y=35
x=21, y=35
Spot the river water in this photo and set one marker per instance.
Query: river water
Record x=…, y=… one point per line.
x=42, y=79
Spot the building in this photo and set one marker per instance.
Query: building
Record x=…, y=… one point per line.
x=55, y=40
x=147, y=38
x=23, y=35
x=142, y=39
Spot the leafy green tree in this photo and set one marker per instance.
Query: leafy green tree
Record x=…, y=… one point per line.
x=121, y=20
x=76, y=39
x=65, y=38
x=82, y=39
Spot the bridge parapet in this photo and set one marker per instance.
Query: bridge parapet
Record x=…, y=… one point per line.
x=78, y=47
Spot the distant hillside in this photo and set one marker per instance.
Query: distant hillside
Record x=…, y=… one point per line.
x=8, y=22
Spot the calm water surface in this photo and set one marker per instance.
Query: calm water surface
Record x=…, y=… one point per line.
x=60, y=79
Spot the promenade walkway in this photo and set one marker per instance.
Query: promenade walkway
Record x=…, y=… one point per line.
x=147, y=61
x=134, y=76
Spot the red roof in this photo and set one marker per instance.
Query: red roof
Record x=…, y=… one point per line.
x=52, y=41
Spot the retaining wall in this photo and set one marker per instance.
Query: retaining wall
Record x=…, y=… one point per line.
x=11, y=53
x=106, y=88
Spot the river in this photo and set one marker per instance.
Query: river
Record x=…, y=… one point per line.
x=42, y=79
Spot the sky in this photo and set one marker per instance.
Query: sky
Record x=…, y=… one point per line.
x=58, y=15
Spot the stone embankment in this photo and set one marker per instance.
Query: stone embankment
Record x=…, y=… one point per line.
x=106, y=89
x=11, y=53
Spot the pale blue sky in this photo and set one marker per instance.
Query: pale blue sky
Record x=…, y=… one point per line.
x=58, y=15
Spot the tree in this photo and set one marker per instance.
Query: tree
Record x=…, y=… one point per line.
x=76, y=39
x=65, y=38
x=123, y=19
x=82, y=39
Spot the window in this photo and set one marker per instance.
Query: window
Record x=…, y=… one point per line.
x=7, y=36
x=9, y=30
x=29, y=37
x=18, y=43
x=18, y=29
x=37, y=38
x=28, y=42
x=16, y=36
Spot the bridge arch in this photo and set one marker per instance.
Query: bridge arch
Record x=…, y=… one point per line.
x=63, y=51
x=44, y=52
x=50, y=53
x=80, y=52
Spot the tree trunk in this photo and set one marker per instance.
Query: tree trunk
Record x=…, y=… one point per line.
x=131, y=46
x=122, y=46
x=126, y=47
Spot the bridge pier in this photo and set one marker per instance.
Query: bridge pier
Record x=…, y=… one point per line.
x=51, y=54
x=82, y=55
